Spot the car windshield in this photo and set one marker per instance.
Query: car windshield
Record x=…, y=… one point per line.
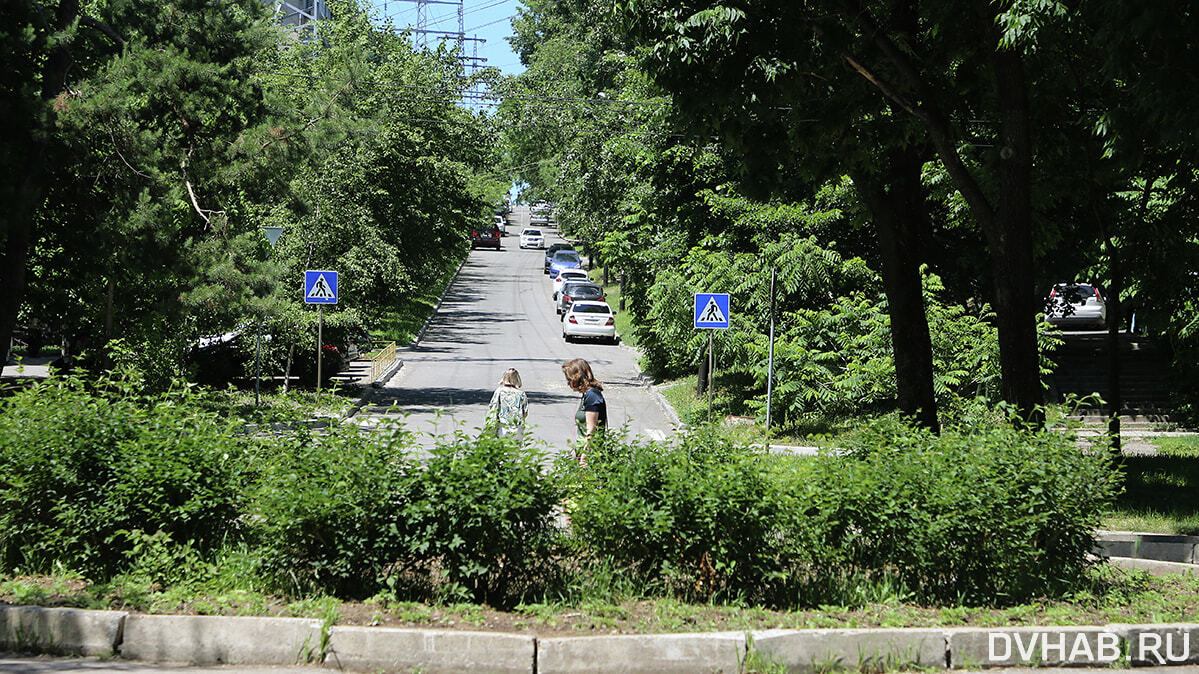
x=530, y=232
x=591, y=309
x=566, y=256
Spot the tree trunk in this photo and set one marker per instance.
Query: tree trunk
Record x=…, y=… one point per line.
x=19, y=218
x=701, y=387
x=900, y=218
x=1010, y=242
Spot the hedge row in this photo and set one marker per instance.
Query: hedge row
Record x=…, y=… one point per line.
x=100, y=482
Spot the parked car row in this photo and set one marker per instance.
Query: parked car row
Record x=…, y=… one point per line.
x=580, y=302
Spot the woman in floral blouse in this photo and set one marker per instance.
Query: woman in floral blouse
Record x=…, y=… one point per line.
x=509, y=407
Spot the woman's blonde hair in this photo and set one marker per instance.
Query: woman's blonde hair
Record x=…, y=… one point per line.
x=511, y=377
x=579, y=376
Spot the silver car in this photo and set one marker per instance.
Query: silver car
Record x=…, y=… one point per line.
x=1076, y=305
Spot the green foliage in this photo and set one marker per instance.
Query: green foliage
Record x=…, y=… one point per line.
x=701, y=517
x=990, y=515
x=326, y=512
x=350, y=515
x=86, y=478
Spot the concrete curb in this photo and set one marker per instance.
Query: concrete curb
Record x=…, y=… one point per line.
x=60, y=631
x=220, y=640
x=371, y=649
x=212, y=640
x=1154, y=567
x=864, y=649
x=1160, y=547
x=683, y=653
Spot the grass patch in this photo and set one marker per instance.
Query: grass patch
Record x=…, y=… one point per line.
x=276, y=407
x=1184, y=446
x=1159, y=495
x=1114, y=596
x=404, y=321
x=744, y=426
x=624, y=317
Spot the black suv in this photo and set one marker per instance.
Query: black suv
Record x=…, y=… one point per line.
x=549, y=253
x=485, y=236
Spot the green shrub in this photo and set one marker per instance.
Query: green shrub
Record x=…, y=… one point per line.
x=482, y=517
x=353, y=515
x=701, y=516
x=81, y=471
x=326, y=512
x=991, y=515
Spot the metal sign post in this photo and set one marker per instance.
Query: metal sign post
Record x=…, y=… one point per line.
x=711, y=312
x=320, y=288
x=770, y=357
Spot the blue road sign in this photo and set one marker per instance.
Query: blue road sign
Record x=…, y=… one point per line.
x=712, y=310
x=320, y=287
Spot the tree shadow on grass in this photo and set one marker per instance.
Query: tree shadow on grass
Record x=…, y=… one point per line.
x=1164, y=485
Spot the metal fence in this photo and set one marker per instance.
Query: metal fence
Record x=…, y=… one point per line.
x=382, y=355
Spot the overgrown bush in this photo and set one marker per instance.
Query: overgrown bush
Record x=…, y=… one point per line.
x=85, y=475
x=353, y=515
x=700, y=517
x=987, y=515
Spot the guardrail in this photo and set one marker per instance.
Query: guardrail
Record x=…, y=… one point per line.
x=382, y=355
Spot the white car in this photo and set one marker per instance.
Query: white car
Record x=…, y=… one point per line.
x=1076, y=304
x=531, y=238
x=501, y=224
x=589, y=319
x=568, y=276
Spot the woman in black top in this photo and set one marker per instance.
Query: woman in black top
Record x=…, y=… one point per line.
x=593, y=410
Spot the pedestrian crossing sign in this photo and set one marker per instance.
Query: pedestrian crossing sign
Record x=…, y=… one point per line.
x=712, y=310
x=320, y=287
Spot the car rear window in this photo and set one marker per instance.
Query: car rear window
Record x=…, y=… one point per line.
x=1074, y=293
x=585, y=292
x=591, y=309
x=566, y=256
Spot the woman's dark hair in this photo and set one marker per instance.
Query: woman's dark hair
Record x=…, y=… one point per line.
x=579, y=376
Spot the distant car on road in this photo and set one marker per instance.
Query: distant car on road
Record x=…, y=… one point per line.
x=1076, y=304
x=485, y=236
x=574, y=292
x=501, y=224
x=554, y=248
x=568, y=276
x=532, y=238
x=594, y=320
x=564, y=259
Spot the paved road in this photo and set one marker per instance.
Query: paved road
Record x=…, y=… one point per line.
x=13, y=664
x=498, y=314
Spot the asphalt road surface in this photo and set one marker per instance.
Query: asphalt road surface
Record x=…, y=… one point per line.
x=497, y=314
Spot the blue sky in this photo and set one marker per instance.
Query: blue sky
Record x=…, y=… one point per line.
x=485, y=19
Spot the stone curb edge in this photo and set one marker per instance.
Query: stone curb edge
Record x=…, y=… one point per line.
x=209, y=640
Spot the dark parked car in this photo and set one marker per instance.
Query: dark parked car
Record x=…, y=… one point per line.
x=485, y=236
x=554, y=248
x=572, y=292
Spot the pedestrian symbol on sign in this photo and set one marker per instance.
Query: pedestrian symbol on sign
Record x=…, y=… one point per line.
x=711, y=313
